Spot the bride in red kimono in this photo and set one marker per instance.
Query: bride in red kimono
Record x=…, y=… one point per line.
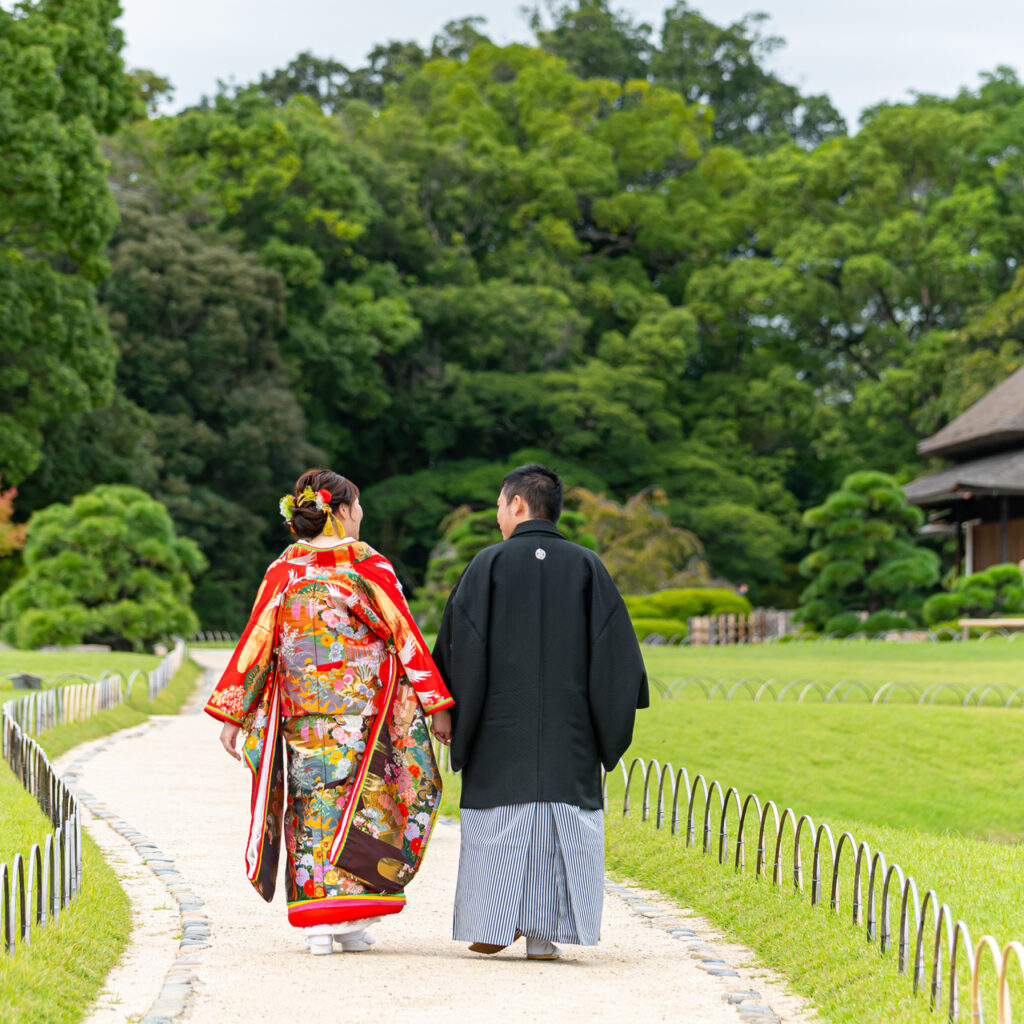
x=333, y=684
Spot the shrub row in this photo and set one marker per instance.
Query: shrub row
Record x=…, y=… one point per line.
x=668, y=611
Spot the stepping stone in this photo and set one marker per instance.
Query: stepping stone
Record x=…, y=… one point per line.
x=739, y=997
x=176, y=990
x=168, y=1007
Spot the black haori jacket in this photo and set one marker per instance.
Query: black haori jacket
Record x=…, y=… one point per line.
x=537, y=649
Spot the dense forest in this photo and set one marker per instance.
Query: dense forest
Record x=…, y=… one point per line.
x=630, y=251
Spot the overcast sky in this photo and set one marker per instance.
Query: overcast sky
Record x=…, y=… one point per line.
x=858, y=53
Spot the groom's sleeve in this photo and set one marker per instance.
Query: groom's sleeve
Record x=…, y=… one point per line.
x=460, y=653
x=617, y=675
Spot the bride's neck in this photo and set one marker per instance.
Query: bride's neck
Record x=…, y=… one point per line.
x=324, y=541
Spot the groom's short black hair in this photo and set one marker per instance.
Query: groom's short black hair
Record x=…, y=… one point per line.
x=539, y=487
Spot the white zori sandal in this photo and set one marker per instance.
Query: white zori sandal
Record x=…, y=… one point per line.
x=352, y=936
x=541, y=949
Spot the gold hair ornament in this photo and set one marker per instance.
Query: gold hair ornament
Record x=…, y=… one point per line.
x=321, y=498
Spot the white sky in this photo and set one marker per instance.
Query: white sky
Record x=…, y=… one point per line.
x=858, y=53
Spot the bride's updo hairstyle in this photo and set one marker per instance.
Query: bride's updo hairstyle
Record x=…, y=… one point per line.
x=307, y=520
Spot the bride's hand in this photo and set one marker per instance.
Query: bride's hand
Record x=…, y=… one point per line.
x=229, y=738
x=441, y=725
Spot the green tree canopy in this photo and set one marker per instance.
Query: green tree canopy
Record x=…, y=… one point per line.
x=594, y=40
x=107, y=568
x=197, y=324
x=724, y=67
x=61, y=83
x=643, y=255
x=640, y=547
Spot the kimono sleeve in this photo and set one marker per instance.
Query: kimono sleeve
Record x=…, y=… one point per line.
x=395, y=622
x=617, y=678
x=238, y=693
x=460, y=653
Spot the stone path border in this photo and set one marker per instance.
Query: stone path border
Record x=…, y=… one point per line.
x=750, y=1004
x=171, y=1003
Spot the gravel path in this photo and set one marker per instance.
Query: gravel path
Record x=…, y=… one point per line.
x=172, y=783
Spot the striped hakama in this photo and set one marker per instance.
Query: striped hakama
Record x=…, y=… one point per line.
x=536, y=869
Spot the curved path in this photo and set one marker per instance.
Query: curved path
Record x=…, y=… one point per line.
x=173, y=787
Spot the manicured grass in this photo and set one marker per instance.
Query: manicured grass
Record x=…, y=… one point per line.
x=51, y=665
x=823, y=956
x=935, y=769
x=983, y=882
x=57, y=977
x=936, y=789
x=452, y=791
x=990, y=661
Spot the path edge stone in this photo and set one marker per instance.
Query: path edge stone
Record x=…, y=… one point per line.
x=171, y=1002
x=750, y=1004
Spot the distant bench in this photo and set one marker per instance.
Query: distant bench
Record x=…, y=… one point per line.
x=966, y=624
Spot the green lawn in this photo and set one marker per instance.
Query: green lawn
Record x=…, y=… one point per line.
x=52, y=666
x=934, y=769
x=990, y=661
x=822, y=955
x=937, y=789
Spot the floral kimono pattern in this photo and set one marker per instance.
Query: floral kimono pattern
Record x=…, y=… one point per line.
x=333, y=682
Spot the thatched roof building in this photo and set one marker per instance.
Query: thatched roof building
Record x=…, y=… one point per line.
x=982, y=495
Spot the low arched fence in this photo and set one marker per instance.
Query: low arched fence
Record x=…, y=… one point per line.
x=806, y=690
x=158, y=678
x=214, y=636
x=931, y=946
x=733, y=632
x=34, y=890
x=63, y=701
x=31, y=898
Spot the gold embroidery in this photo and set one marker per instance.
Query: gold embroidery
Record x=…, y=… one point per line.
x=373, y=799
x=391, y=869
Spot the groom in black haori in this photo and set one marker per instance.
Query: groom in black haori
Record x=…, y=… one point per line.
x=537, y=648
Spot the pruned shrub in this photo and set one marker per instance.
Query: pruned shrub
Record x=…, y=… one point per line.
x=995, y=591
x=107, y=568
x=668, y=628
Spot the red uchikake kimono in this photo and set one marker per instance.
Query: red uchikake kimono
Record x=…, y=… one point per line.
x=332, y=669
